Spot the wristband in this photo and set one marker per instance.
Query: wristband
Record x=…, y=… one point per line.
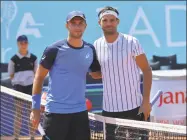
x=36, y=101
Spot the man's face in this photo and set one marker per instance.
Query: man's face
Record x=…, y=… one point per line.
x=76, y=27
x=23, y=45
x=109, y=24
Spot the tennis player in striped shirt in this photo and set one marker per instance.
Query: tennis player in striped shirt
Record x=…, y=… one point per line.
x=121, y=58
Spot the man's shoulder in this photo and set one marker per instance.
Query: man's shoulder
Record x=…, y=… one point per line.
x=57, y=44
x=129, y=37
x=88, y=44
x=98, y=40
x=54, y=47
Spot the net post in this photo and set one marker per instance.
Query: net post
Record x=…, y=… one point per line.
x=104, y=129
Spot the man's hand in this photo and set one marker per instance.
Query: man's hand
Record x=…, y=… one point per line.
x=145, y=108
x=35, y=118
x=96, y=75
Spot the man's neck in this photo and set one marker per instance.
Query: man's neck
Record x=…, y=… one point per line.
x=23, y=53
x=110, y=38
x=75, y=42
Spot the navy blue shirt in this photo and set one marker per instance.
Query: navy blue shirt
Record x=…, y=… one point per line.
x=68, y=67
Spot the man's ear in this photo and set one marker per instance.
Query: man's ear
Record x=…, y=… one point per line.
x=66, y=25
x=118, y=20
x=86, y=26
x=99, y=22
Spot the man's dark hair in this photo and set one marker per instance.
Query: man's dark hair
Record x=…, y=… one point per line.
x=108, y=8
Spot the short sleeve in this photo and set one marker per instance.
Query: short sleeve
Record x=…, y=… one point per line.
x=94, y=44
x=48, y=57
x=95, y=66
x=11, y=68
x=136, y=48
x=35, y=65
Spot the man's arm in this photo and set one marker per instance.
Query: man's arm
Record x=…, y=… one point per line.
x=40, y=75
x=143, y=64
x=11, y=69
x=95, y=68
x=36, y=95
x=46, y=63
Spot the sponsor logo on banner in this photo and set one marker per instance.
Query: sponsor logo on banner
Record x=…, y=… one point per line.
x=170, y=97
x=176, y=120
x=18, y=18
x=24, y=28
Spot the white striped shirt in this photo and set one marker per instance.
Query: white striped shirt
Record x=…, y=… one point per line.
x=120, y=73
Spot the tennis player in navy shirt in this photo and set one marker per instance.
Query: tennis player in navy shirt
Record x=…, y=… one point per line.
x=67, y=62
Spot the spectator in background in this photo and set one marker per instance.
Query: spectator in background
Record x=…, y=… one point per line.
x=22, y=68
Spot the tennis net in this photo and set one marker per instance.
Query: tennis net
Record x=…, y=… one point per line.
x=15, y=112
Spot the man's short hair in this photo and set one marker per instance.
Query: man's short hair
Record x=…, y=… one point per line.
x=108, y=8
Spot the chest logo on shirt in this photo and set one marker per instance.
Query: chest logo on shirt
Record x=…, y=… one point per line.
x=87, y=55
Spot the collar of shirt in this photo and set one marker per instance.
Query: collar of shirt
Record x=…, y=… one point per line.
x=110, y=44
x=21, y=56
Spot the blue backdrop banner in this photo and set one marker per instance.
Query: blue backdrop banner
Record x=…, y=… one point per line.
x=159, y=26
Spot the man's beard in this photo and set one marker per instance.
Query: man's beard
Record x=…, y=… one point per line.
x=76, y=36
x=109, y=32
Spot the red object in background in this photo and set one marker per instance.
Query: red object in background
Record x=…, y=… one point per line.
x=44, y=94
x=88, y=104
